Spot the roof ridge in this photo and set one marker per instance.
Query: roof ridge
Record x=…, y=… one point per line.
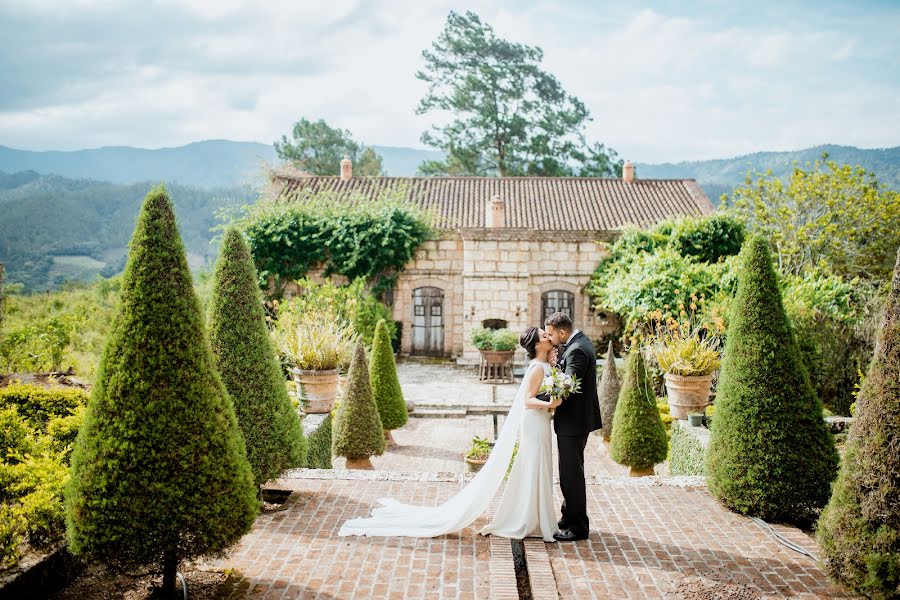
x=301, y=177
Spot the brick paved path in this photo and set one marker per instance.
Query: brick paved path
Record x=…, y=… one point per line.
x=650, y=537
x=647, y=541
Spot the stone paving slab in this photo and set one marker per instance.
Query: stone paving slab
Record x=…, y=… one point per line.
x=650, y=538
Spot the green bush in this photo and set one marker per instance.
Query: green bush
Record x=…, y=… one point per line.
x=385, y=384
x=358, y=432
x=366, y=237
x=504, y=340
x=353, y=303
x=609, y=392
x=249, y=366
x=771, y=454
x=708, y=238
x=638, y=437
x=39, y=405
x=159, y=469
x=319, y=454
x=15, y=433
x=859, y=530
x=687, y=455
x=482, y=339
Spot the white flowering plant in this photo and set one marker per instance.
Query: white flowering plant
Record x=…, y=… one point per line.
x=559, y=384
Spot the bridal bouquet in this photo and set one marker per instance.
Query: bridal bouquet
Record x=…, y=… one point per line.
x=559, y=384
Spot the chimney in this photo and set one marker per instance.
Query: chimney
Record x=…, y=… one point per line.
x=346, y=168
x=628, y=172
x=496, y=212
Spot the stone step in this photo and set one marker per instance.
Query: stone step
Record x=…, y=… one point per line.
x=438, y=413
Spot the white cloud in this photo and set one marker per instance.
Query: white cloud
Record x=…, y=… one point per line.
x=660, y=87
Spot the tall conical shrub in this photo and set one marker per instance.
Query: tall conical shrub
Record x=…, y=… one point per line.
x=248, y=364
x=385, y=384
x=859, y=532
x=610, y=386
x=638, y=437
x=358, y=433
x=159, y=469
x=771, y=454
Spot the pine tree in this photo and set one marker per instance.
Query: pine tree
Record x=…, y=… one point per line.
x=358, y=433
x=771, y=454
x=610, y=386
x=248, y=364
x=385, y=384
x=638, y=436
x=159, y=469
x=859, y=531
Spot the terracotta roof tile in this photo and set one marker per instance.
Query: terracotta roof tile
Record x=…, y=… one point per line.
x=554, y=203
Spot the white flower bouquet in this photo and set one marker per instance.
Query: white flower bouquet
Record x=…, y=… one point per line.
x=559, y=384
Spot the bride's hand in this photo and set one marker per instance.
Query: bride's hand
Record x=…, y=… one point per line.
x=555, y=401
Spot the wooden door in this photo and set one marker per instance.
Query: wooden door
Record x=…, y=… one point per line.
x=428, y=322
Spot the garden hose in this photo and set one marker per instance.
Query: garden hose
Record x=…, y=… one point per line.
x=784, y=541
x=183, y=584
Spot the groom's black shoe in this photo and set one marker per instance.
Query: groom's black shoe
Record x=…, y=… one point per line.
x=562, y=524
x=567, y=535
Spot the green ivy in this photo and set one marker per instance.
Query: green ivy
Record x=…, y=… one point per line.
x=687, y=454
x=355, y=237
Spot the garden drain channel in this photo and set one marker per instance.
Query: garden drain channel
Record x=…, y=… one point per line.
x=520, y=562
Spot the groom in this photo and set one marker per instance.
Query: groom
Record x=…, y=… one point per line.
x=574, y=420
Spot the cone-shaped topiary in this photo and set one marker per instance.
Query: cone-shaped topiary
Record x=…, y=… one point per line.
x=771, y=454
x=859, y=532
x=638, y=437
x=248, y=364
x=385, y=384
x=610, y=386
x=358, y=433
x=159, y=469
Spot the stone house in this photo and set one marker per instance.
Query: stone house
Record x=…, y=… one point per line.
x=511, y=249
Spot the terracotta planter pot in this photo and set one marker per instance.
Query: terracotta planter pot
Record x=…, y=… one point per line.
x=363, y=464
x=389, y=439
x=475, y=464
x=687, y=394
x=632, y=472
x=497, y=357
x=317, y=389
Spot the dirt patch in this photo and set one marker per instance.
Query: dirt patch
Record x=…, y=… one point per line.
x=98, y=583
x=46, y=380
x=693, y=588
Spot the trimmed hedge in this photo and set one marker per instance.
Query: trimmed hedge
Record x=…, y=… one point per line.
x=609, y=389
x=159, y=470
x=859, y=531
x=319, y=454
x=357, y=429
x=385, y=384
x=687, y=455
x=638, y=436
x=249, y=366
x=771, y=454
x=39, y=404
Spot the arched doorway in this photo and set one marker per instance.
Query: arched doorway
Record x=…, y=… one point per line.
x=428, y=321
x=557, y=301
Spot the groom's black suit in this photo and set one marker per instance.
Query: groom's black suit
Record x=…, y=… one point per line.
x=575, y=419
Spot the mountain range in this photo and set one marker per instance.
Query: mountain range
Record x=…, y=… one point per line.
x=69, y=215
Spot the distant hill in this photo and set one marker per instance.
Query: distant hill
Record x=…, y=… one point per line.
x=207, y=164
x=55, y=229
x=222, y=163
x=721, y=176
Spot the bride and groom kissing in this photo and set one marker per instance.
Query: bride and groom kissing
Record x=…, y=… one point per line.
x=527, y=506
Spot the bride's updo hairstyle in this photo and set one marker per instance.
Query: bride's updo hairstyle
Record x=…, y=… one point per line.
x=529, y=339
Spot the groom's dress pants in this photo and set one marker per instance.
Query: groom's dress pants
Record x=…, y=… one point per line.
x=571, y=481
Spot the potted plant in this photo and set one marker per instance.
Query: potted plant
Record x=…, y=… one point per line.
x=497, y=347
x=317, y=346
x=478, y=453
x=688, y=354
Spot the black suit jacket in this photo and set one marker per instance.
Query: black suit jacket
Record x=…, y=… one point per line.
x=579, y=414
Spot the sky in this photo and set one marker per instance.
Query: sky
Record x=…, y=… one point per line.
x=664, y=81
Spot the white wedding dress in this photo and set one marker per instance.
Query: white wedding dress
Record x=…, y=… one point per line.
x=527, y=506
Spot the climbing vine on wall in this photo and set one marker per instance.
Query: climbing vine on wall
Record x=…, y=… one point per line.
x=355, y=237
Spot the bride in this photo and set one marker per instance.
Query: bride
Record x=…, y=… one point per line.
x=526, y=507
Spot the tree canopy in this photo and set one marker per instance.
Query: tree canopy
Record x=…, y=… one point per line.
x=826, y=215
x=509, y=116
x=317, y=148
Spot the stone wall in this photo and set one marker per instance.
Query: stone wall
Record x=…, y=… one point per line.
x=500, y=274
